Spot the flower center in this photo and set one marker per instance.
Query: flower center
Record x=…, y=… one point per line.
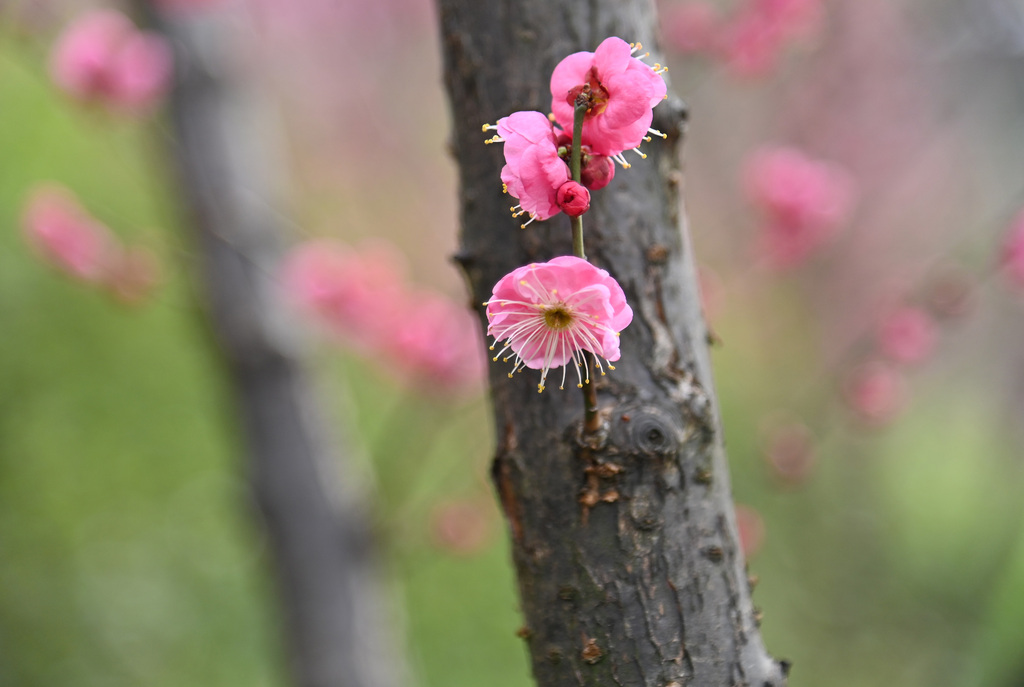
x=595, y=90
x=558, y=316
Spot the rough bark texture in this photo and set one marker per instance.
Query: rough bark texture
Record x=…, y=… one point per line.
x=318, y=531
x=625, y=543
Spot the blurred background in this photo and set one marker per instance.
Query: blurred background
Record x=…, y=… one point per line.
x=853, y=182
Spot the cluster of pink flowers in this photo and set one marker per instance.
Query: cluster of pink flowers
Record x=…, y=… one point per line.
x=362, y=298
x=802, y=201
x=102, y=58
x=623, y=91
x=67, y=237
x=750, y=41
x=549, y=314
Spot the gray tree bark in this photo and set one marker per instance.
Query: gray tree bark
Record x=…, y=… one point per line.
x=624, y=541
x=307, y=492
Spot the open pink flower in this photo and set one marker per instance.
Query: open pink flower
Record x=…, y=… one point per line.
x=103, y=58
x=533, y=170
x=549, y=313
x=64, y=233
x=623, y=93
x=803, y=201
x=1012, y=258
x=536, y=166
x=907, y=335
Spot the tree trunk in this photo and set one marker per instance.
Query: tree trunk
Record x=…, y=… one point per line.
x=316, y=523
x=624, y=542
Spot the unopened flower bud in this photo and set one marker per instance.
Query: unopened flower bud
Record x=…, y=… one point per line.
x=573, y=198
x=597, y=171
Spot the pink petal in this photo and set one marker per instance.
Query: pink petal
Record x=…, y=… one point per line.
x=612, y=57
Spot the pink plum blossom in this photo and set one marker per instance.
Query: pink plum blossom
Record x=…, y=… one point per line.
x=690, y=27
x=435, y=343
x=548, y=313
x=876, y=392
x=751, y=42
x=533, y=170
x=65, y=235
x=536, y=166
x=103, y=58
x=749, y=45
x=353, y=293
x=623, y=93
x=361, y=296
x=907, y=335
x=803, y=202
x=1012, y=259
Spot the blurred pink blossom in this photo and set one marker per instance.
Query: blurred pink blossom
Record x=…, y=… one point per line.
x=789, y=452
x=624, y=91
x=907, y=335
x=354, y=293
x=65, y=235
x=876, y=392
x=1012, y=259
x=362, y=297
x=103, y=58
x=462, y=527
x=436, y=344
x=748, y=45
x=689, y=27
x=802, y=201
x=751, y=42
x=751, y=529
x=791, y=19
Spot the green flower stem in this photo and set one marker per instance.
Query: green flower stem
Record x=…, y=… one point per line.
x=591, y=419
x=579, y=112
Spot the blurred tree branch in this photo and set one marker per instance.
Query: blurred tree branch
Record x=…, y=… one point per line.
x=315, y=516
x=625, y=543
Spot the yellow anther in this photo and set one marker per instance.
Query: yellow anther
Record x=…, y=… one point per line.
x=647, y=138
x=551, y=117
